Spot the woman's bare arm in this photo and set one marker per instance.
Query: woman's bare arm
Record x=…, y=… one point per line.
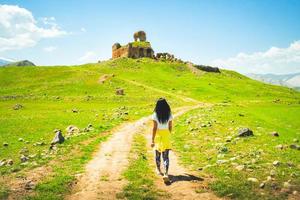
x=170, y=126
x=154, y=132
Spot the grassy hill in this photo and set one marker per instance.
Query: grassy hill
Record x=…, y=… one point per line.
x=56, y=97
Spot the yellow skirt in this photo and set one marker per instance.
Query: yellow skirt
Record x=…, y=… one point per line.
x=162, y=140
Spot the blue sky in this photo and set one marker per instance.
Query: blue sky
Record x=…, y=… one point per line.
x=247, y=36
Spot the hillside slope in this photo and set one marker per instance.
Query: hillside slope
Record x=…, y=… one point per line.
x=36, y=100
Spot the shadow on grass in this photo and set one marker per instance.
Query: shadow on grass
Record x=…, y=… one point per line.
x=185, y=177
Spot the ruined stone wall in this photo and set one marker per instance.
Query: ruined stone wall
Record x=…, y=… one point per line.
x=132, y=52
x=120, y=52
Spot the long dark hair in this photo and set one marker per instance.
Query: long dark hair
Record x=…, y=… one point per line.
x=162, y=110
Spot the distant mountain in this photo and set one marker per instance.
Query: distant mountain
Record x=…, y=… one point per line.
x=4, y=61
x=20, y=63
x=289, y=80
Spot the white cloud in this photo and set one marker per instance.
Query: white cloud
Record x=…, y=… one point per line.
x=50, y=49
x=7, y=59
x=83, y=29
x=275, y=60
x=19, y=29
x=88, y=57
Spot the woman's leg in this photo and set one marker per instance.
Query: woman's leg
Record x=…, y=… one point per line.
x=157, y=159
x=165, y=156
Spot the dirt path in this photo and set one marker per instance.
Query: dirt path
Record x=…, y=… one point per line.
x=102, y=177
x=183, y=183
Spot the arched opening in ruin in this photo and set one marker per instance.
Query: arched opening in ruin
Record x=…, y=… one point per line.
x=141, y=52
x=148, y=52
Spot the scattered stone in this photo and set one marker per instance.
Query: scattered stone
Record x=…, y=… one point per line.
x=208, y=68
x=24, y=151
x=10, y=162
x=59, y=138
x=253, y=180
x=262, y=185
x=290, y=164
x=203, y=125
x=3, y=162
x=5, y=144
x=17, y=107
x=295, y=140
x=275, y=134
x=24, y=158
x=241, y=115
x=295, y=146
x=71, y=129
x=223, y=149
x=20, y=139
x=29, y=185
x=287, y=185
x=276, y=163
x=200, y=168
x=120, y=91
x=280, y=146
x=240, y=167
x=269, y=178
x=221, y=161
x=228, y=139
x=74, y=110
x=295, y=192
x=272, y=173
x=245, y=132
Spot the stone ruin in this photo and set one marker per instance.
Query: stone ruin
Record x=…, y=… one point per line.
x=138, y=49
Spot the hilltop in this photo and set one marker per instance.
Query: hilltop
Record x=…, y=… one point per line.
x=36, y=100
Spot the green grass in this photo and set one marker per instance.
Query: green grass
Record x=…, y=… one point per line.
x=139, y=174
x=201, y=147
x=48, y=95
x=57, y=185
x=141, y=44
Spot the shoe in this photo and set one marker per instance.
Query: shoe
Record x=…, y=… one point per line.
x=166, y=179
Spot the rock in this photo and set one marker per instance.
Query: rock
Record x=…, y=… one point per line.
x=240, y=167
x=208, y=68
x=272, y=173
x=262, y=185
x=241, y=115
x=5, y=144
x=3, y=162
x=276, y=163
x=71, y=129
x=280, y=146
x=269, y=178
x=228, y=139
x=287, y=185
x=295, y=192
x=29, y=185
x=20, y=139
x=58, y=138
x=74, y=110
x=221, y=161
x=223, y=149
x=295, y=140
x=245, y=132
x=119, y=91
x=253, y=180
x=275, y=134
x=295, y=146
x=24, y=151
x=10, y=162
x=24, y=158
x=17, y=107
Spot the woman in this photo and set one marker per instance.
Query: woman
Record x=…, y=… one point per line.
x=162, y=127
